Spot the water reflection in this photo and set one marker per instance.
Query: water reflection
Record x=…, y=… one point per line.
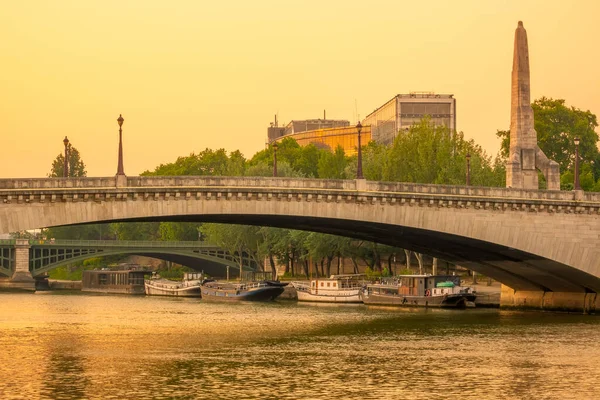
x=70, y=347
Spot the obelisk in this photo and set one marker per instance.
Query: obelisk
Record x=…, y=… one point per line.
x=525, y=156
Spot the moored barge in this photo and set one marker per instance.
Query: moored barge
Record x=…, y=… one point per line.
x=335, y=289
x=420, y=290
x=106, y=281
x=250, y=291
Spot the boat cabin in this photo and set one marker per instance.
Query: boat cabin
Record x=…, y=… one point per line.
x=106, y=281
x=420, y=285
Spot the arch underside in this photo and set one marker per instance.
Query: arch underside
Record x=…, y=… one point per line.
x=212, y=265
x=512, y=267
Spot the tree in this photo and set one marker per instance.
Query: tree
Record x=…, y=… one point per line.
x=81, y=232
x=178, y=231
x=432, y=154
x=264, y=169
x=557, y=126
x=76, y=165
x=332, y=165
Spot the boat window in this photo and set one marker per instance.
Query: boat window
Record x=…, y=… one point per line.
x=334, y=284
x=328, y=284
x=312, y=284
x=322, y=283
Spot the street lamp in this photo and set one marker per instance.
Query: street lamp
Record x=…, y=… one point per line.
x=275, y=159
x=120, y=165
x=577, y=186
x=468, y=169
x=66, y=164
x=359, y=172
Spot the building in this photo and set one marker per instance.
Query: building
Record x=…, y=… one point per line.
x=305, y=125
x=323, y=133
x=331, y=138
x=406, y=110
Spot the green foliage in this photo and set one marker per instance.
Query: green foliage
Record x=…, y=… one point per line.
x=433, y=154
x=136, y=230
x=81, y=232
x=283, y=169
x=174, y=273
x=208, y=162
x=92, y=262
x=178, y=231
x=332, y=165
x=76, y=164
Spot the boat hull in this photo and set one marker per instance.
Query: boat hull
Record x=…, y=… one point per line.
x=460, y=300
x=165, y=290
x=349, y=297
x=267, y=293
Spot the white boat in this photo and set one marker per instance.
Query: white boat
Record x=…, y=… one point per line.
x=335, y=289
x=164, y=287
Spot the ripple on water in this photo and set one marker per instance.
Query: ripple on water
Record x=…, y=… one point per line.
x=112, y=347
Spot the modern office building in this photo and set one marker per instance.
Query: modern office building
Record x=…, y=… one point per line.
x=305, y=125
x=405, y=110
x=323, y=133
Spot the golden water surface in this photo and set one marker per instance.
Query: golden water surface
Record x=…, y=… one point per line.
x=75, y=346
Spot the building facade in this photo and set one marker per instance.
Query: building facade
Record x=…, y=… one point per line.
x=323, y=133
x=331, y=138
x=406, y=110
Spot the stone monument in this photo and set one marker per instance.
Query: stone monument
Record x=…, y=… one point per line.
x=525, y=156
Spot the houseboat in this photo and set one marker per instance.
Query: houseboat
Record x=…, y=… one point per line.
x=106, y=281
x=188, y=287
x=335, y=289
x=420, y=290
x=250, y=291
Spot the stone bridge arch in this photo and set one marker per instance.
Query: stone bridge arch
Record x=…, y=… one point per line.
x=527, y=239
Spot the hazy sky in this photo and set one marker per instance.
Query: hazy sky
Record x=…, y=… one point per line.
x=187, y=75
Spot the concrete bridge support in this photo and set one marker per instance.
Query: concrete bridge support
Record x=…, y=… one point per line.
x=21, y=278
x=587, y=303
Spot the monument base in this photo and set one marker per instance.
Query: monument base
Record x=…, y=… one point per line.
x=586, y=303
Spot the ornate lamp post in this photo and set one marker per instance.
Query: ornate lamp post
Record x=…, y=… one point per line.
x=468, y=169
x=66, y=164
x=577, y=186
x=275, y=159
x=120, y=165
x=359, y=172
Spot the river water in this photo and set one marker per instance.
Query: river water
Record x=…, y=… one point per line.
x=75, y=346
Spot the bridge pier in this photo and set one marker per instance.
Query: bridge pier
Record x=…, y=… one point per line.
x=21, y=278
x=553, y=301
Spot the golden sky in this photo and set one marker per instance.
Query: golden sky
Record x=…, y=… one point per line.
x=192, y=74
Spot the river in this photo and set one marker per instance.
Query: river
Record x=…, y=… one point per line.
x=74, y=346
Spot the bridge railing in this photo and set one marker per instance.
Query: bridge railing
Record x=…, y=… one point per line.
x=202, y=183
x=125, y=243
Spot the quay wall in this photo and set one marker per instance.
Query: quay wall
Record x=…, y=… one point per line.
x=56, y=284
x=552, y=301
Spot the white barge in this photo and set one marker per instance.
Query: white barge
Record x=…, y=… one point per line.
x=335, y=289
x=189, y=287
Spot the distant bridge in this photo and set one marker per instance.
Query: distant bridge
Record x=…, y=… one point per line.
x=45, y=255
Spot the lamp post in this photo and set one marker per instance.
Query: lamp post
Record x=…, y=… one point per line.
x=468, y=169
x=275, y=159
x=577, y=186
x=66, y=164
x=120, y=165
x=359, y=172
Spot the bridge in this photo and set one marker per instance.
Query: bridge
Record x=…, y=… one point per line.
x=542, y=244
x=45, y=255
